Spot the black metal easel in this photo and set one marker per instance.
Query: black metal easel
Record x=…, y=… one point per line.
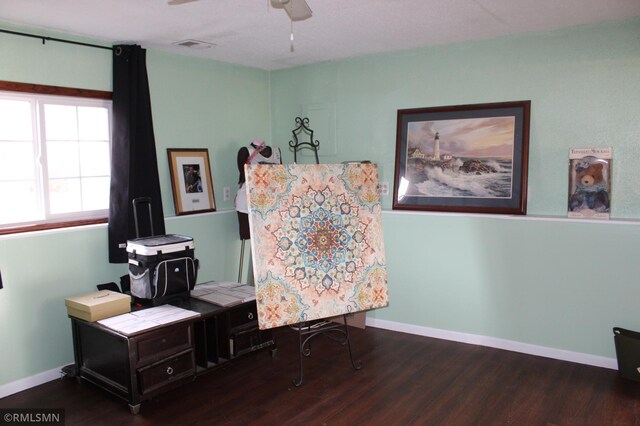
x=307, y=330
x=296, y=145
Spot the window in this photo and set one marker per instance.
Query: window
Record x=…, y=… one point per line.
x=54, y=159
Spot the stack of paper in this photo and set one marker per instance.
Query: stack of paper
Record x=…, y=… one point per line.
x=224, y=293
x=146, y=319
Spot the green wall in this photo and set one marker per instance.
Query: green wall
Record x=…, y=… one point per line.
x=583, y=85
x=196, y=104
x=553, y=283
x=556, y=283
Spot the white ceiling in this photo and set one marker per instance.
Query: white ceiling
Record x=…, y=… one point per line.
x=249, y=32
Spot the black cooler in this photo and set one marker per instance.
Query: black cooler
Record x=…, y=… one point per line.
x=162, y=267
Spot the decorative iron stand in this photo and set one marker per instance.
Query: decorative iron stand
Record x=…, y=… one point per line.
x=296, y=145
x=307, y=330
x=334, y=331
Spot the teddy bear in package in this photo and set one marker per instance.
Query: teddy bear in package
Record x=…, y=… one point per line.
x=589, y=187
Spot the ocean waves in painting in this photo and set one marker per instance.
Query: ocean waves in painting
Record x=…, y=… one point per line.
x=436, y=181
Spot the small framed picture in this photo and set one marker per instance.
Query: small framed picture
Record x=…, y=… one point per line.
x=590, y=183
x=191, y=181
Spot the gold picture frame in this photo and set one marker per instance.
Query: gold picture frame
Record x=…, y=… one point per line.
x=191, y=180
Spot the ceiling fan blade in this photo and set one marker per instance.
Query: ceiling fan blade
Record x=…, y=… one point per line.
x=178, y=2
x=298, y=10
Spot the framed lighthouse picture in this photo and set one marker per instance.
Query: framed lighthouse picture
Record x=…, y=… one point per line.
x=463, y=158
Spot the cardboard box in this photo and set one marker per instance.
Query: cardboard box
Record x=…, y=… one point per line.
x=356, y=319
x=98, y=305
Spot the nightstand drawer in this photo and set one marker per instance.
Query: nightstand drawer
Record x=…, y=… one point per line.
x=163, y=343
x=162, y=373
x=247, y=314
x=248, y=341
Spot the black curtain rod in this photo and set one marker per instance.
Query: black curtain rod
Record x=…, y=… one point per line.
x=45, y=39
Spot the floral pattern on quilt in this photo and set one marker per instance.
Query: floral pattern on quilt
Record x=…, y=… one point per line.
x=267, y=183
x=277, y=302
x=317, y=241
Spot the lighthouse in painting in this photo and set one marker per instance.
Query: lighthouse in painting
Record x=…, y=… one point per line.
x=436, y=147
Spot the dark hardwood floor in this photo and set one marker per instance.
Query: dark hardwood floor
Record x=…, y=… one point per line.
x=406, y=380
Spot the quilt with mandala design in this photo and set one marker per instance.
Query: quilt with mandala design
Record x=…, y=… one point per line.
x=317, y=243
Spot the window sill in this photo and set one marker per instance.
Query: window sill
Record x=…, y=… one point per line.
x=48, y=226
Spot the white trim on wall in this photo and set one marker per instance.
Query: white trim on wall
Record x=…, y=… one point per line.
x=528, y=217
x=493, y=342
x=30, y=382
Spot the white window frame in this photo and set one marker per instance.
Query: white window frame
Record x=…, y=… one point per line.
x=38, y=102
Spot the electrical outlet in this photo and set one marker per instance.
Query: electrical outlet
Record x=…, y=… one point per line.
x=226, y=193
x=384, y=188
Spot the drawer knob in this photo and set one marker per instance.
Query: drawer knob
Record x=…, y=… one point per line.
x=169, y=370
x=250, y=316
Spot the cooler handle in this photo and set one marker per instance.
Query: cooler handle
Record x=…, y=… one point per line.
x=136, y=202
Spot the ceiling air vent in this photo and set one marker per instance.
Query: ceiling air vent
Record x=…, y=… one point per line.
x=194, y=44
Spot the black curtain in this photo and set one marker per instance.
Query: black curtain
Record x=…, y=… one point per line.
x=134, y=163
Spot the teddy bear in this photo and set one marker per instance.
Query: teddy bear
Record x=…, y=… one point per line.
x=591, y=189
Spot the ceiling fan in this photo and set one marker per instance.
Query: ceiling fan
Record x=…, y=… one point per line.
x=298, y=10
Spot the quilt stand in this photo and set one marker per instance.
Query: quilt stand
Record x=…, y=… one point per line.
x=334, y=331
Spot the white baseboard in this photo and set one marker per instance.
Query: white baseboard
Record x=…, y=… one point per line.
x=493, y=342
x=30, y=382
